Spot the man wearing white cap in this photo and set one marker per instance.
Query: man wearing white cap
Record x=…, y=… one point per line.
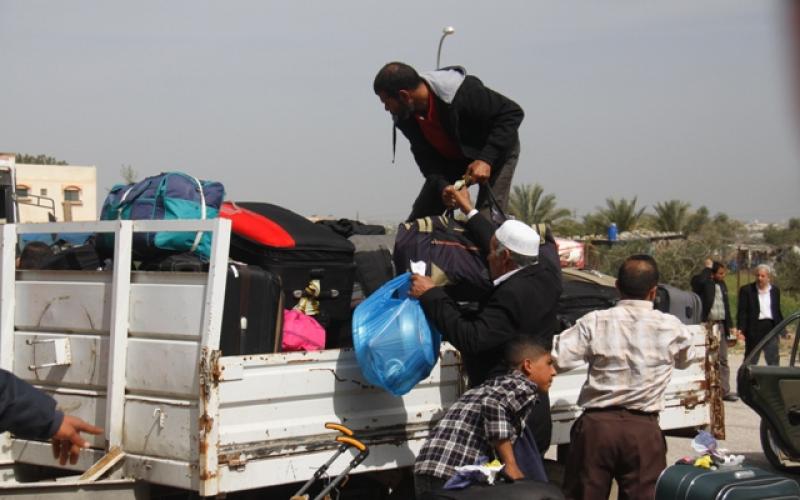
x=522, y=301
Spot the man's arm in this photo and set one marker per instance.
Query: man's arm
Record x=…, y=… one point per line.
x=502, y=115
x=470, y=335
x=32, y=414
x=26, y=411
x=505, y=452
x=685, y=347
x=742, y=310
x=571, y=347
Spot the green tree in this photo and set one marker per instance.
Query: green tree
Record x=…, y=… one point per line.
x=697, y=221
x=38, y=160
x=787, y=272
x=672, y=215
x=529, y=204
x=622, y=212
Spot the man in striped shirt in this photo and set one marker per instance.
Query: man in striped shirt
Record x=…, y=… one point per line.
x=488, y=420
x=631, y=349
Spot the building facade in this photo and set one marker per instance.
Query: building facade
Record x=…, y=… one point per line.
x=69, y=192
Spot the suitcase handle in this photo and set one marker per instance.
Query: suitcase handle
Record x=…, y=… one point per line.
x=325, y=294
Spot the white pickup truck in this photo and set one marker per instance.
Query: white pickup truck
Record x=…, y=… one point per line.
x=138, y=354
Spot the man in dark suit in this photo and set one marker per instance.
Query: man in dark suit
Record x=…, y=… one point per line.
x=522, y=301
x=710, y=285
x=759, y=312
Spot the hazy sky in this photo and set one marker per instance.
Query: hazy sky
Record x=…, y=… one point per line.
x=660, y=100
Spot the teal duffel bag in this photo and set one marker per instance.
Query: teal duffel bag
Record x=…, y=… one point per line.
x=687, y=482
x=167, y=196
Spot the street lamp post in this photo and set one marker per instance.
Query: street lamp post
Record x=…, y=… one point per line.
x=449, y=30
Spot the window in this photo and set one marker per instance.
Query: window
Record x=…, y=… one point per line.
x=72, y=194
x=22, y=191
x=43, y=192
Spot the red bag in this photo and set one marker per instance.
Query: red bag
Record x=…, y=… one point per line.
x=255, y=227
x=301, y=332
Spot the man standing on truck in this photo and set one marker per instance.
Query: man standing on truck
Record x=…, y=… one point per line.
x=488, y=421
x=522, y=301
x=710, y=285
x=631, y=350
x=32, y=414
x=456, y=126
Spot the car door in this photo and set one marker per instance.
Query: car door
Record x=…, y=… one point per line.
x=774, y=391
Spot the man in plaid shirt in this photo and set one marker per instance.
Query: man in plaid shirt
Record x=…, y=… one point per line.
x=488, y=419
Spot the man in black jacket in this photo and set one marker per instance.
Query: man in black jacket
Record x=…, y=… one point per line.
x=759, y=311
x=32, y=414
x=522, y=302
x=710, y=285
x=456, y=126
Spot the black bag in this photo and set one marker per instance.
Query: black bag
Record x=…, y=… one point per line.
x=78, y=258
x=348, y=227
x=318, y=253
x=685, y=305
x=518, y=490
x=252, y=318
x=451, y=257
x=581, y=297
x=180, y=262
x=686, y=482
x=373, y=258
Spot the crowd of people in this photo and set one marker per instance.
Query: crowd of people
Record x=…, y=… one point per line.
x=458, y=129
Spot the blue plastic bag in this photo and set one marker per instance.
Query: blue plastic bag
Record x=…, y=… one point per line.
x=395, y=346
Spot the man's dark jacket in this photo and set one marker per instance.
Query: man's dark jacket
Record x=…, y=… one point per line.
x=749, y=308
x=524, y=304
x=704, y=286
x=26, y=411
x=481, y=121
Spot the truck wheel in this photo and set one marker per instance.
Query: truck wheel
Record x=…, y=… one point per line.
x=775, y=455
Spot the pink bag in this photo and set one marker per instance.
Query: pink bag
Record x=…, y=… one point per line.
x=301, y=332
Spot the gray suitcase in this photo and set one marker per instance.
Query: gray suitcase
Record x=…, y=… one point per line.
x=681, y=303
x=686, y=482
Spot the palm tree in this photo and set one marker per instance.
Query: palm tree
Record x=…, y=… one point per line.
x=672, y=215
x=529, y=204
x=622, y=212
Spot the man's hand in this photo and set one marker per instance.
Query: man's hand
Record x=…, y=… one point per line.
x=420, y=285
x=708, y=263
x=67, y=441
x=479, y=171
x=457, y=198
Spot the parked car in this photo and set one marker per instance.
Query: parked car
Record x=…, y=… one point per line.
x=774, y=393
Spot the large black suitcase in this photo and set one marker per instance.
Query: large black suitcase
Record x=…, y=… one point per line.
x=685, y=305
x=318, y=253
x=78, y=258
x=581, y=297
x=686, y=482
x=252, y=318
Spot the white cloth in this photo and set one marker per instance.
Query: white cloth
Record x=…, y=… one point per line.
x=506, y=276
x=631, y=350
x=765, y=303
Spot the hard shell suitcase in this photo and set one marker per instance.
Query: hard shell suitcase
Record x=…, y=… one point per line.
x=252, y=318
x=312, y=252
x=683, y=304
x=686, y=482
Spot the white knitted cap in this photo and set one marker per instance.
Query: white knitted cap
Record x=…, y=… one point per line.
x=518, y=237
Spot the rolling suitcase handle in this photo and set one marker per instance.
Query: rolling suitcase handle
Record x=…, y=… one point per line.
x=346, y=440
